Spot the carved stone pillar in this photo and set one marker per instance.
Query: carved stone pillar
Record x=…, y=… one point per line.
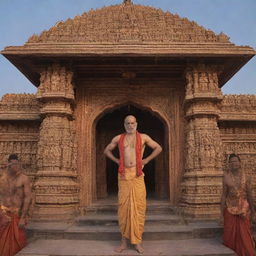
x=56, y=188
x=201, y=188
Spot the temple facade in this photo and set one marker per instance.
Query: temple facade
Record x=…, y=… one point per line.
x=92, y=71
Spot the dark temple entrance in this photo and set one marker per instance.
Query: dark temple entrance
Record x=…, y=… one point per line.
x=156, y=172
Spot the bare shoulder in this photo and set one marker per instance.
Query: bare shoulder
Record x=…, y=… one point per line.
x=145, y=137
x=116, y=138
x=114, y=141
x=24, y=178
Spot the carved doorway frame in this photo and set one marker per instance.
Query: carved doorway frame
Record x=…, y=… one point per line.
x=92, y=104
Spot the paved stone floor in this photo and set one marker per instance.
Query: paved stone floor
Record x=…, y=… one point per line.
x=189, y=247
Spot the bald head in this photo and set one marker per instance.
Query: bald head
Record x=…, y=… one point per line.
x=130, y=117
x=130, y=124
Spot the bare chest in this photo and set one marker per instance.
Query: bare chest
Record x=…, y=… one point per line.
x=13, y=187
x=235, y=183
x=130, y=143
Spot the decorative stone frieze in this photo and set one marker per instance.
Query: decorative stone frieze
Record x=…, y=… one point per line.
x=22, y=142
x=202, y=83
x=18, y=102
x=56, y=82
x=19, y=107
x=56, y=183
x=238, y=107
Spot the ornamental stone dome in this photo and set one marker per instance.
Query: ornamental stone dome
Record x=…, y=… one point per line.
x=131, y=36
x=128, y=23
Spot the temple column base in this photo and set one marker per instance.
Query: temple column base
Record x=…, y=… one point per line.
x=56, y=197
x=53, y=213
x=201, y=194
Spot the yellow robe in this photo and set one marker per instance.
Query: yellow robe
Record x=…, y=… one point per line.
x=131, y=205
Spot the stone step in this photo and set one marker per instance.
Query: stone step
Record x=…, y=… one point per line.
x=153, y=207
x=112, y=220
x=99, y=232
x=190, y=247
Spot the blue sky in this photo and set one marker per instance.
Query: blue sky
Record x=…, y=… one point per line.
x=19, y=19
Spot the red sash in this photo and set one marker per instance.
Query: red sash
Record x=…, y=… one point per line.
x=12, y=238
x=138, y=148
x=237, y=234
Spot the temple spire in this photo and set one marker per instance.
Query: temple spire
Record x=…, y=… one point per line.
x=127, y=2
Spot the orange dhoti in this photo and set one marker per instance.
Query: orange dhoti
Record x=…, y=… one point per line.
x=237, y=234
x=12, y=238
x=131, y=205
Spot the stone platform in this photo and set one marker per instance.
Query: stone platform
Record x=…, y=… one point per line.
x=97, y=233
x=188, y=247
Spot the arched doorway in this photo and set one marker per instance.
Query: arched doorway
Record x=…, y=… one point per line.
x=156, y=172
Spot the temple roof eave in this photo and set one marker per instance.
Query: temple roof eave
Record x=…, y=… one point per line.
x=24, y=57
x=65, y=49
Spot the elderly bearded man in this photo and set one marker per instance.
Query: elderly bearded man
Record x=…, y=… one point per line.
x=237, y=208
x=131, y=186
x=15, y=195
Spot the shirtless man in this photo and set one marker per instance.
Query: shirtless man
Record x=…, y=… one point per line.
x=131, y=185
x=237, y=208
x=15, y=193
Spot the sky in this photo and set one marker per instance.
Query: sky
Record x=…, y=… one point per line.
x=19, y=19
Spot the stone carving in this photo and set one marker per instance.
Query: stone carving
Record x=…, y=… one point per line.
x=56, y=184
x=56, y=81
x=202, y=81
x=239, y=103
x=245, y=147
x=19, y=103
x=24, y=147
x=203, y=147
x=19, y=137
x=127, y=22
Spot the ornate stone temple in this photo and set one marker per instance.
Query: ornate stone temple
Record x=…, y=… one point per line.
x=93, y=70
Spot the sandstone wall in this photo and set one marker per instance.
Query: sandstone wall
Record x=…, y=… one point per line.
x=238, y=130
x=19, y=129
x=20, y=122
